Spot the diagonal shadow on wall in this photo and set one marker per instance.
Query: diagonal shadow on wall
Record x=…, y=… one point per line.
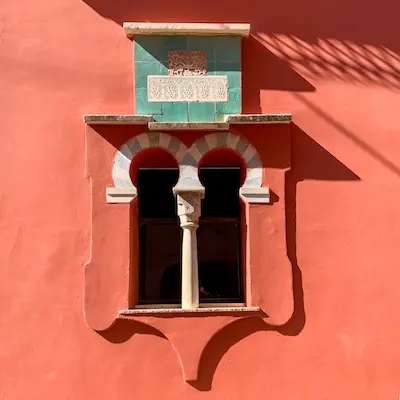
x=354, y=41
x=310, y=161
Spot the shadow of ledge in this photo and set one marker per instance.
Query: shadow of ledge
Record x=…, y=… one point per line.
x=199, y=349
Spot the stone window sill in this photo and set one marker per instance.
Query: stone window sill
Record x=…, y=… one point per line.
x=180, y=312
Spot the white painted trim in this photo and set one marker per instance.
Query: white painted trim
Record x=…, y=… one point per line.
x=171, y=28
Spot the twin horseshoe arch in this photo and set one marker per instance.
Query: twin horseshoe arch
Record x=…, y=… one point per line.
x=187, y=158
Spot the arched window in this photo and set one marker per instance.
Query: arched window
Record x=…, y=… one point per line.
x=159, y=229
x=219, y=234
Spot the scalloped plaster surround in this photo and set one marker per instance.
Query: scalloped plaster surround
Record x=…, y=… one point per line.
x=107, y=287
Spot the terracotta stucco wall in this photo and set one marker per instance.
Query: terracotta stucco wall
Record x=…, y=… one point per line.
x=334, y=65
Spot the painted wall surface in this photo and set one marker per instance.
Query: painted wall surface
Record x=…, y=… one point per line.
x=335, y=66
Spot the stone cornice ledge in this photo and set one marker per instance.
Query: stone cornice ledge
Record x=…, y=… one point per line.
x=259, y=119
x=188, y=126
x=255, y=195
x=135, y=312
x=172, y=28
x=108, y=119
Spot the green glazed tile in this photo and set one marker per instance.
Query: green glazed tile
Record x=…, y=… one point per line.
x=202, y=43
x=232, y=71
x=201, y=112
x=227, y=66
x=234, y=104
x=175, y=112
x=143, y=106
x=143, y=70
x=164, y=68
x=146, y=48
x=227, y=48
x=210, y=68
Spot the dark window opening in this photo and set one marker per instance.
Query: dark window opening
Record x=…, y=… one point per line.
x=159, y=237
x=219, y=238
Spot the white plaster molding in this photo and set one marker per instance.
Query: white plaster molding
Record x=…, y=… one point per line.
x=176, y=88
x=239, y=144
x=120, y=195
x=254, y=195
x=124, y=156
x=171, y=28
x=188, y=160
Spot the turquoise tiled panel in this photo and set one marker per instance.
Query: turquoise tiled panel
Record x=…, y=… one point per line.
x=144, y=107
x=227, y=48
x=234, y=104
x=201, y=112
x=143, y=69
x=174, y=112
x=223, y=58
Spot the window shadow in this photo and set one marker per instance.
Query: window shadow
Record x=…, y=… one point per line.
x=354, y=41
x=267, y=71
x=310, y=161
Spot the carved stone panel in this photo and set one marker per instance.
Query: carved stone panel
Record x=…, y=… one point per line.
x=187, y=88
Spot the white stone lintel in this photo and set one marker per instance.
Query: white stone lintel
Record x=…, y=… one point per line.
x=108, y=119
x=120, y=195
x=255, y=195
x=259, y=119
x=174, y=28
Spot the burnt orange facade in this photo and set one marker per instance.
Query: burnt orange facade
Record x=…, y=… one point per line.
x=319, y=260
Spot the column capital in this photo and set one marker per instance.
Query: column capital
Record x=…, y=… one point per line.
x=189, y=206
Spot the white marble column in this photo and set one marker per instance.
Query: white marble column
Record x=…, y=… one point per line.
x=189, y=209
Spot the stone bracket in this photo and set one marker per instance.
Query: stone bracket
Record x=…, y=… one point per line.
x=255, y=195
x=120, y=195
